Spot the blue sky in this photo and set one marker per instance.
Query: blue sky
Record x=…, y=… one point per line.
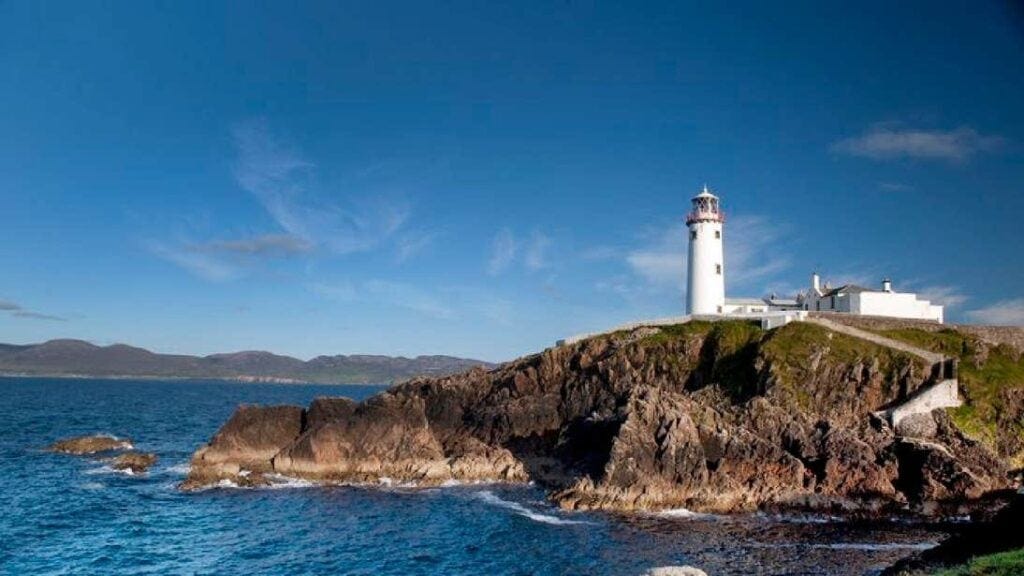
x=470, y=179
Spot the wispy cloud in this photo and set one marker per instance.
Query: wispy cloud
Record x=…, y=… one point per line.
x=893, y=141
x=507, y=250
x=535, y=254
x=264, y=245
x=752, y=257
x=894, y=186
x=19, y=311
x=206, y=266
x=948, y=296
x=753, y=252
x=662, y=262
x=283, y=180
x=412, y=243
x=503, y=252
x=1005, y=312
x=387, y=292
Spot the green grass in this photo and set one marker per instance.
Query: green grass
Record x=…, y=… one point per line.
x=1001, y=564
x=985, y=371
x=667, y=334
x=790, y=348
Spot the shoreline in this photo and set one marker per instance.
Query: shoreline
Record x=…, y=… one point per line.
x=224, y=379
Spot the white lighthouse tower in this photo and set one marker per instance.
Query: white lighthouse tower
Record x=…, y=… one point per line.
x=705, y=288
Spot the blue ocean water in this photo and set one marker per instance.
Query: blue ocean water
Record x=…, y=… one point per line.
x=70, y=515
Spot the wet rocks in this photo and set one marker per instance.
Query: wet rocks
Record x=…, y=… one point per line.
x=246, y=444
x=84, y=445
x=134, y=462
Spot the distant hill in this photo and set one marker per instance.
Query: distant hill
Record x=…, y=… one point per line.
x=80, y=358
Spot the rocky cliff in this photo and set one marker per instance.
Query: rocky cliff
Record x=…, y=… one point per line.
x=712, y=417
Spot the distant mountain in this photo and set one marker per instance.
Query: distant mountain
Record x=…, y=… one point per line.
x=80, y=358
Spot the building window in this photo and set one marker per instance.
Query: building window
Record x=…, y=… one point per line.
x=718, y=269
x=719, y=309
x=718, y=234
x=693, y=234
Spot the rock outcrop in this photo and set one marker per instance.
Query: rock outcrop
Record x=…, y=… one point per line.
x=82, y=445
x=711, y=417
x=242, y=449
x=134, y=462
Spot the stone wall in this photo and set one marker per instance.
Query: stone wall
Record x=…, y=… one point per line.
x=1012, y=336
x=941, y=395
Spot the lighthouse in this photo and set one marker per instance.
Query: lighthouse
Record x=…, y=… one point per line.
x=705, y=284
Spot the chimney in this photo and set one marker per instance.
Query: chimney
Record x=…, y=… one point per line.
x=816, y=282
x=886, y=285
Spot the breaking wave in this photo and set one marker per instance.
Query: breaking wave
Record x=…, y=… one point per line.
x=684, y=514
x=491, y=498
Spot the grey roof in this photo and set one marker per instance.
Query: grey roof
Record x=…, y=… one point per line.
x=847, y=289
x=742, y=301
x=781, y=301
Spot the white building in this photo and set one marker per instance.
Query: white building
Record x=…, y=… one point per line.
x=705, y=286
x=854, y=299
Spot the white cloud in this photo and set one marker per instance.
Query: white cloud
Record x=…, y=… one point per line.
x=1005, y=312
x=413, y=243
x=282, y=180
x=888, y=141
x=894, y=186
x=385, y=292
x=263, y=245
x=535, y=256
x=407, y=296
x=202, y=265
x=948, y=296
x=753, y=253
x=503, y=252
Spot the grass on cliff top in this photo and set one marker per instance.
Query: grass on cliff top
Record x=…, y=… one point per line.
x=982, y=377
x=677, y=331
x=1001, y=564
x=731, y=350
x=792, y=346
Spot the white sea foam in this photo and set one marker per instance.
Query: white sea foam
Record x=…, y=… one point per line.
x=452, y=483
x=178, y=469
x=684, y=514
x=105, y=469
x=93, y=486
x=280, y=481
x=491, y=498
x=675, y=571
x=801, y=518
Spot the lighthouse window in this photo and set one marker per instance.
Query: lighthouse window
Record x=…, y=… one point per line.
x=718, y=269
x=693, y=234
x=718, y=234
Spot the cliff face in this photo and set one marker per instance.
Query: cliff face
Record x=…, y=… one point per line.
x=717, y=417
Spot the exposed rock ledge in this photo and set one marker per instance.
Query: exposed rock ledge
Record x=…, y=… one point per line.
x=720, y=417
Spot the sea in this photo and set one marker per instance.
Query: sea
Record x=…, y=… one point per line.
x=63, y=514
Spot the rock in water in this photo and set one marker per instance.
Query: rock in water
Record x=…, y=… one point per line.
x=135, y=462
x=82, y=445
x=713, y=417
x=243, y=448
